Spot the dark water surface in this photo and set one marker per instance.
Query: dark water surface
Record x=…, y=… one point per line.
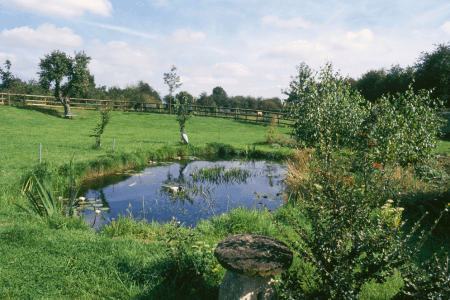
x=149, y=193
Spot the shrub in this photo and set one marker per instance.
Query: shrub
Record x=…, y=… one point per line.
x=346, y=237
x=327, y=113
x=401, y=129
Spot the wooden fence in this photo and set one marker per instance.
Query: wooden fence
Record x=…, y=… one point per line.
x=246, y=115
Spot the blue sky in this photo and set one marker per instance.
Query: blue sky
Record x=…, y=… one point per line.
x=248, y=47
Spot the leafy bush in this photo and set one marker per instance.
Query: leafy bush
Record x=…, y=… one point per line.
x=345, y=237
x=327, y=113
x=401, y=129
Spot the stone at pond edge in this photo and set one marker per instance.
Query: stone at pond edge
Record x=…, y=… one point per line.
x=254, y=255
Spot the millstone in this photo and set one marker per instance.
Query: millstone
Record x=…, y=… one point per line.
x=253, y=255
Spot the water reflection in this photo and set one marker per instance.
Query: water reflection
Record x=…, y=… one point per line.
x=190, y=191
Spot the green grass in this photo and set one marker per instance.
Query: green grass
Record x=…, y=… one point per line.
x=134, y=132
x=61, y=258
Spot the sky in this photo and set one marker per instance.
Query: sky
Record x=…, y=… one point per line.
x=248, y=47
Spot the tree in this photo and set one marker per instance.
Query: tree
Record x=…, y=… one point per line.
x=371, y=84
x=171, y=79
x=58, y=67
x=7, y=78
x=182, y=96
x=433, y=71
x=220, y=96
x=183, y=109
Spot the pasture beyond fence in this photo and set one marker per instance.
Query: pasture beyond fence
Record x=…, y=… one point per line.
x=246, y=115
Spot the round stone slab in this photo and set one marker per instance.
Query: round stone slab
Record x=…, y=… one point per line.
x=253, y=255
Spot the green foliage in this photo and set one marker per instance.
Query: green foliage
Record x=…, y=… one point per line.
x=429, y=174
x=171, y=79
x=401, y=129
x=98, y=131
x=326, y=113
x=190, y=270
x=375, y=83
x=6, y=76
x=183, y=110
x=57, y=66
x=41, y=191
x=346, y=238
x=432, y=71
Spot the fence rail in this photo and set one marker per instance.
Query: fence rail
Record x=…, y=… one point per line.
x=246, y=115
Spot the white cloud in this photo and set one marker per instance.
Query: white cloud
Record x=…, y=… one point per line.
x=353, y=40
x=270, y=76
x=231, y=69
x=298, y=49
x=5, y=56
x=46, y=36
x=187, y=36
x=446, y=27
x=215, y=81
x=64, y=8
x=121, y=29
x=284, y=23
x=118, y=63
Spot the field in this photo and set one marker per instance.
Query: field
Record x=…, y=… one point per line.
x=59, y=257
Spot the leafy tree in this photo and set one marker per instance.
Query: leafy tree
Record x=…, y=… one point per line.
x=327, y=111
x=171, y=79
x=397, y=79
x=205, y=100
x=7, y=78
x=220, y=96
x=182, y=108
x=371, y=84
x=58, y=67
x=432, y=70
x=100, y=128
x=182, y=96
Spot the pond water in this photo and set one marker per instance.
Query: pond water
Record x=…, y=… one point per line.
x=187, y=190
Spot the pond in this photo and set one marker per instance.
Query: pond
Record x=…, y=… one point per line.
x=187, y=190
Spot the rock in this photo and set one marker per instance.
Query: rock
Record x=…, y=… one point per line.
x=253, y=255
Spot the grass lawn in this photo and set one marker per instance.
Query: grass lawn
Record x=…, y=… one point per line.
x=23, y=129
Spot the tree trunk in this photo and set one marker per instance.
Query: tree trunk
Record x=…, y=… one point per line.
x=65, y=101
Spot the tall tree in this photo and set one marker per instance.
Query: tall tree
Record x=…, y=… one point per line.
x=433, y=71
x=371, y=84
x=58, y=67
x=220, y=96
x=171, y=79
x=7, y=78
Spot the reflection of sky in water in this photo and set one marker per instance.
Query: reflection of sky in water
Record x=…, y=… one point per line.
x=143, y=194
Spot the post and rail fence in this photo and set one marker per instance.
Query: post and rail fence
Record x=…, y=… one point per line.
x=246, y=115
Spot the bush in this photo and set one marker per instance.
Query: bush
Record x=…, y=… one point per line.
x=401, y=129
x=348, y=236
x=327, y=113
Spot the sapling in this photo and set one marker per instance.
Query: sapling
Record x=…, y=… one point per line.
x=98, y=131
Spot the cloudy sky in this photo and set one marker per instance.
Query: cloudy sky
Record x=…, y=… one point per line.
x=248, y=47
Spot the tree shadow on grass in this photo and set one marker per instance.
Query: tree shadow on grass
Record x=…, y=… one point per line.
x=168, y=280
x=45, y=110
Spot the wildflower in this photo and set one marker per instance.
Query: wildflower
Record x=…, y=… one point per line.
x=390, y=201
